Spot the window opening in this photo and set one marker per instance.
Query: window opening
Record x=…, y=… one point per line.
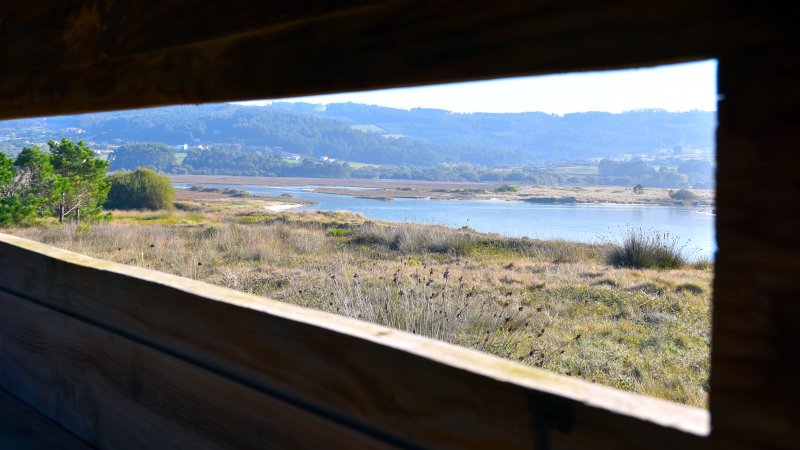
x=563, y=223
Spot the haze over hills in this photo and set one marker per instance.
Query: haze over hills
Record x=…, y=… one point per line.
x=416, y=137
x=542, y=136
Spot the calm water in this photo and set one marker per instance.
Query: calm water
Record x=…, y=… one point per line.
x=573, y=222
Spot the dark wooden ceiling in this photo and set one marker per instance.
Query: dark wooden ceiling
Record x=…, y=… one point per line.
x=61, y=57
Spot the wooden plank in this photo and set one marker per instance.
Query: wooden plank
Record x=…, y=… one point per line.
x=367, y=377
x=82, y=56
x=23, y=428
x=755, y=357
x=116, y=393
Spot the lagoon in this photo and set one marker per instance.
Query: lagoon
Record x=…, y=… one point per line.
x=577, y=222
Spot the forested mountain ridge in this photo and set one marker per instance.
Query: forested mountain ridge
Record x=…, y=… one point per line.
x=254, y=126
x=432, y=136
x=540, y=135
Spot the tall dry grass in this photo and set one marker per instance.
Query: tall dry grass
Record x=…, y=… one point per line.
x=646, y=248
x=434, y=304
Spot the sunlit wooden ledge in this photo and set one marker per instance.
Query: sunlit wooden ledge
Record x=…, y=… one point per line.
x=125, y=357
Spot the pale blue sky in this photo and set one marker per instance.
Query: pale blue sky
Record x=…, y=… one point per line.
x=679, y=87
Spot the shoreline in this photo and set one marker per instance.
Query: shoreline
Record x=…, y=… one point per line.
x=389, y=190
x=282, y=207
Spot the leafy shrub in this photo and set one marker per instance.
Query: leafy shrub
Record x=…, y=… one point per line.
x=188, y=206
x=140, y=189
x=638, y=189
x=640, y=248
x=683, y=194
x=507, y=188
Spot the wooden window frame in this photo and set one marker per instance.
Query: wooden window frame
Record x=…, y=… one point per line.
x=95, y=346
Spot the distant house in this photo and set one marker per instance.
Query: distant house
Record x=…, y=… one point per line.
x=323, y=158
x=332, y=160
x=296, y=157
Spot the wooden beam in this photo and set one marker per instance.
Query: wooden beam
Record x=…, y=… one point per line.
x=114, y=392
x=24, y=428
x=114, y=352
x=756, y=317
x=89, y=55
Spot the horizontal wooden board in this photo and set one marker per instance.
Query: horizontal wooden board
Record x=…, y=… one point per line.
x=378, y=381
x=82, y=56
x=116, y=393
x=24, y=428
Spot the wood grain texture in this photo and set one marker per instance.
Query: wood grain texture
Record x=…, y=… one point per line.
x=364, y=377
x=116, y=393
x=756, y=317
x=91, y=55
x=23, y=428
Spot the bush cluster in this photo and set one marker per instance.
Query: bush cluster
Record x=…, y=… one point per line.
x=140, y=189
x=683, y=194
x=507, y=188
x=646, y=249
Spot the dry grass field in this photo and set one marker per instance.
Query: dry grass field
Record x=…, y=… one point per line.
x=553, y=304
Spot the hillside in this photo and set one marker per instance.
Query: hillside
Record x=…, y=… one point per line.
x=256, y=129
x=541, y=136
x=386, y=136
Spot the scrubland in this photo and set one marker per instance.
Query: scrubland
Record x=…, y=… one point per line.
x=561, y=306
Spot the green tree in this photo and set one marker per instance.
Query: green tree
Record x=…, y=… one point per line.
x=131, y=156
x=79, y=185
x=638, y=189
x=141, y=189
x=14, y=204
x=23, y=183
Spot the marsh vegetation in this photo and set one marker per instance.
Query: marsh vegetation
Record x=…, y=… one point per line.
x=561, y=306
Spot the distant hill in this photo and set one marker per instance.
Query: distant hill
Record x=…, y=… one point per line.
x=380, y=135
x=541, y=136
x=254, y=127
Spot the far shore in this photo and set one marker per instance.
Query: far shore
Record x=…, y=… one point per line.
x=443, y=190
x=282, y=207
